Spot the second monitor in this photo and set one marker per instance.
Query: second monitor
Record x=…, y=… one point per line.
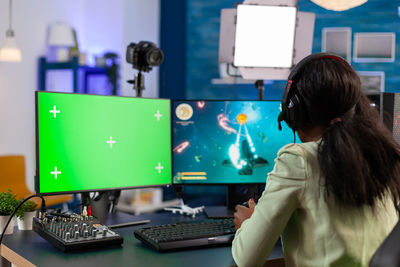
x=88, y=143
x=225, y=142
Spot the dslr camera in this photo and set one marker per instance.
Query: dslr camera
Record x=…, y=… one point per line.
x=144, y=55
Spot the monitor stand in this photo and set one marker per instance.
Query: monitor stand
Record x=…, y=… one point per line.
x=236, y=194
x=103, y=208
x=100, y=204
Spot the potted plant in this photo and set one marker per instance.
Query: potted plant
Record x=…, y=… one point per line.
x=8, y=203
x=25, y=215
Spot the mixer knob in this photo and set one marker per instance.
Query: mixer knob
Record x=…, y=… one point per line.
x=76, y=234
x=67, y=236
x=85, y=234
x=94, y=232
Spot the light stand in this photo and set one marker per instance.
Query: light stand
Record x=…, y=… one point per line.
x=138, y=84
x=260, y=88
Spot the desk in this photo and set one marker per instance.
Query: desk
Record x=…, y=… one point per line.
x=26, y=248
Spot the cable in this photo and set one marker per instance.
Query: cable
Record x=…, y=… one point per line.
x=10, y=14
x=230, y=74
x=41, y=214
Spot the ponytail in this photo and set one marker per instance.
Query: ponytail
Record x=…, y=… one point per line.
x=359, y=158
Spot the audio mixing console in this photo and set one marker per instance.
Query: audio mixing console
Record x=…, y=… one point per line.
x=74, y=232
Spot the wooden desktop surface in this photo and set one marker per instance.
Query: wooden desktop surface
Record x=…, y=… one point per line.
x=26, y=248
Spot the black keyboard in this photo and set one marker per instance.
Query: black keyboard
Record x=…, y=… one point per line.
x=76, y=232
x=182, y=235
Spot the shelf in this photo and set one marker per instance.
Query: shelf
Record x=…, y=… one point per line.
x=73, y=65
x=337, y=41
x=374, y=47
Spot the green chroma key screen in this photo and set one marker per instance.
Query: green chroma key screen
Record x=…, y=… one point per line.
x=94, y=142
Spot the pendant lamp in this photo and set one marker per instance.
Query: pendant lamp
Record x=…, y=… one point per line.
x=9, y=51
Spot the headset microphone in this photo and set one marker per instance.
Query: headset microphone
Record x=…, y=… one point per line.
x=280, y=118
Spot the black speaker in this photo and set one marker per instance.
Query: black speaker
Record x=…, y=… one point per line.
x=391, y=113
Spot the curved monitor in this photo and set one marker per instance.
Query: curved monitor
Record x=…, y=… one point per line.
x=225, y=142
x=92, y=142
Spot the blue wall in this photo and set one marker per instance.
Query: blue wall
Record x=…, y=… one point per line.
x=373, y=16
x=202, y=36
x=173, y=44
x=190, y=36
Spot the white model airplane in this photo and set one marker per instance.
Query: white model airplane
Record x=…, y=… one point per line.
x=186, y=210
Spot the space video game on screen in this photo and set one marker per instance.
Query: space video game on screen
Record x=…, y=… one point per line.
x=226, y=142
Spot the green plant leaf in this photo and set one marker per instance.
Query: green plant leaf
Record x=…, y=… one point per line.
x=28, y=206
x=8, y=202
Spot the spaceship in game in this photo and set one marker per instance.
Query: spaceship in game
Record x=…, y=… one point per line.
x=247, y=160
x=242, y=155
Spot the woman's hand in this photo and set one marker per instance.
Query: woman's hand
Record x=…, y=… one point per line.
x=242, y=213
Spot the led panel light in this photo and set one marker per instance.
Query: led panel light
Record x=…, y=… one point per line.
x=264, y=36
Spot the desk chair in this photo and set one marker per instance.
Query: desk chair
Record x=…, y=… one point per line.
x=12, y=176
x=388, y=253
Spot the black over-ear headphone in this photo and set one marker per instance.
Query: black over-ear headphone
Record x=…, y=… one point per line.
x=294, y=109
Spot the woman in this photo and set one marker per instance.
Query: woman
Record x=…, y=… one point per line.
x=332, y=196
